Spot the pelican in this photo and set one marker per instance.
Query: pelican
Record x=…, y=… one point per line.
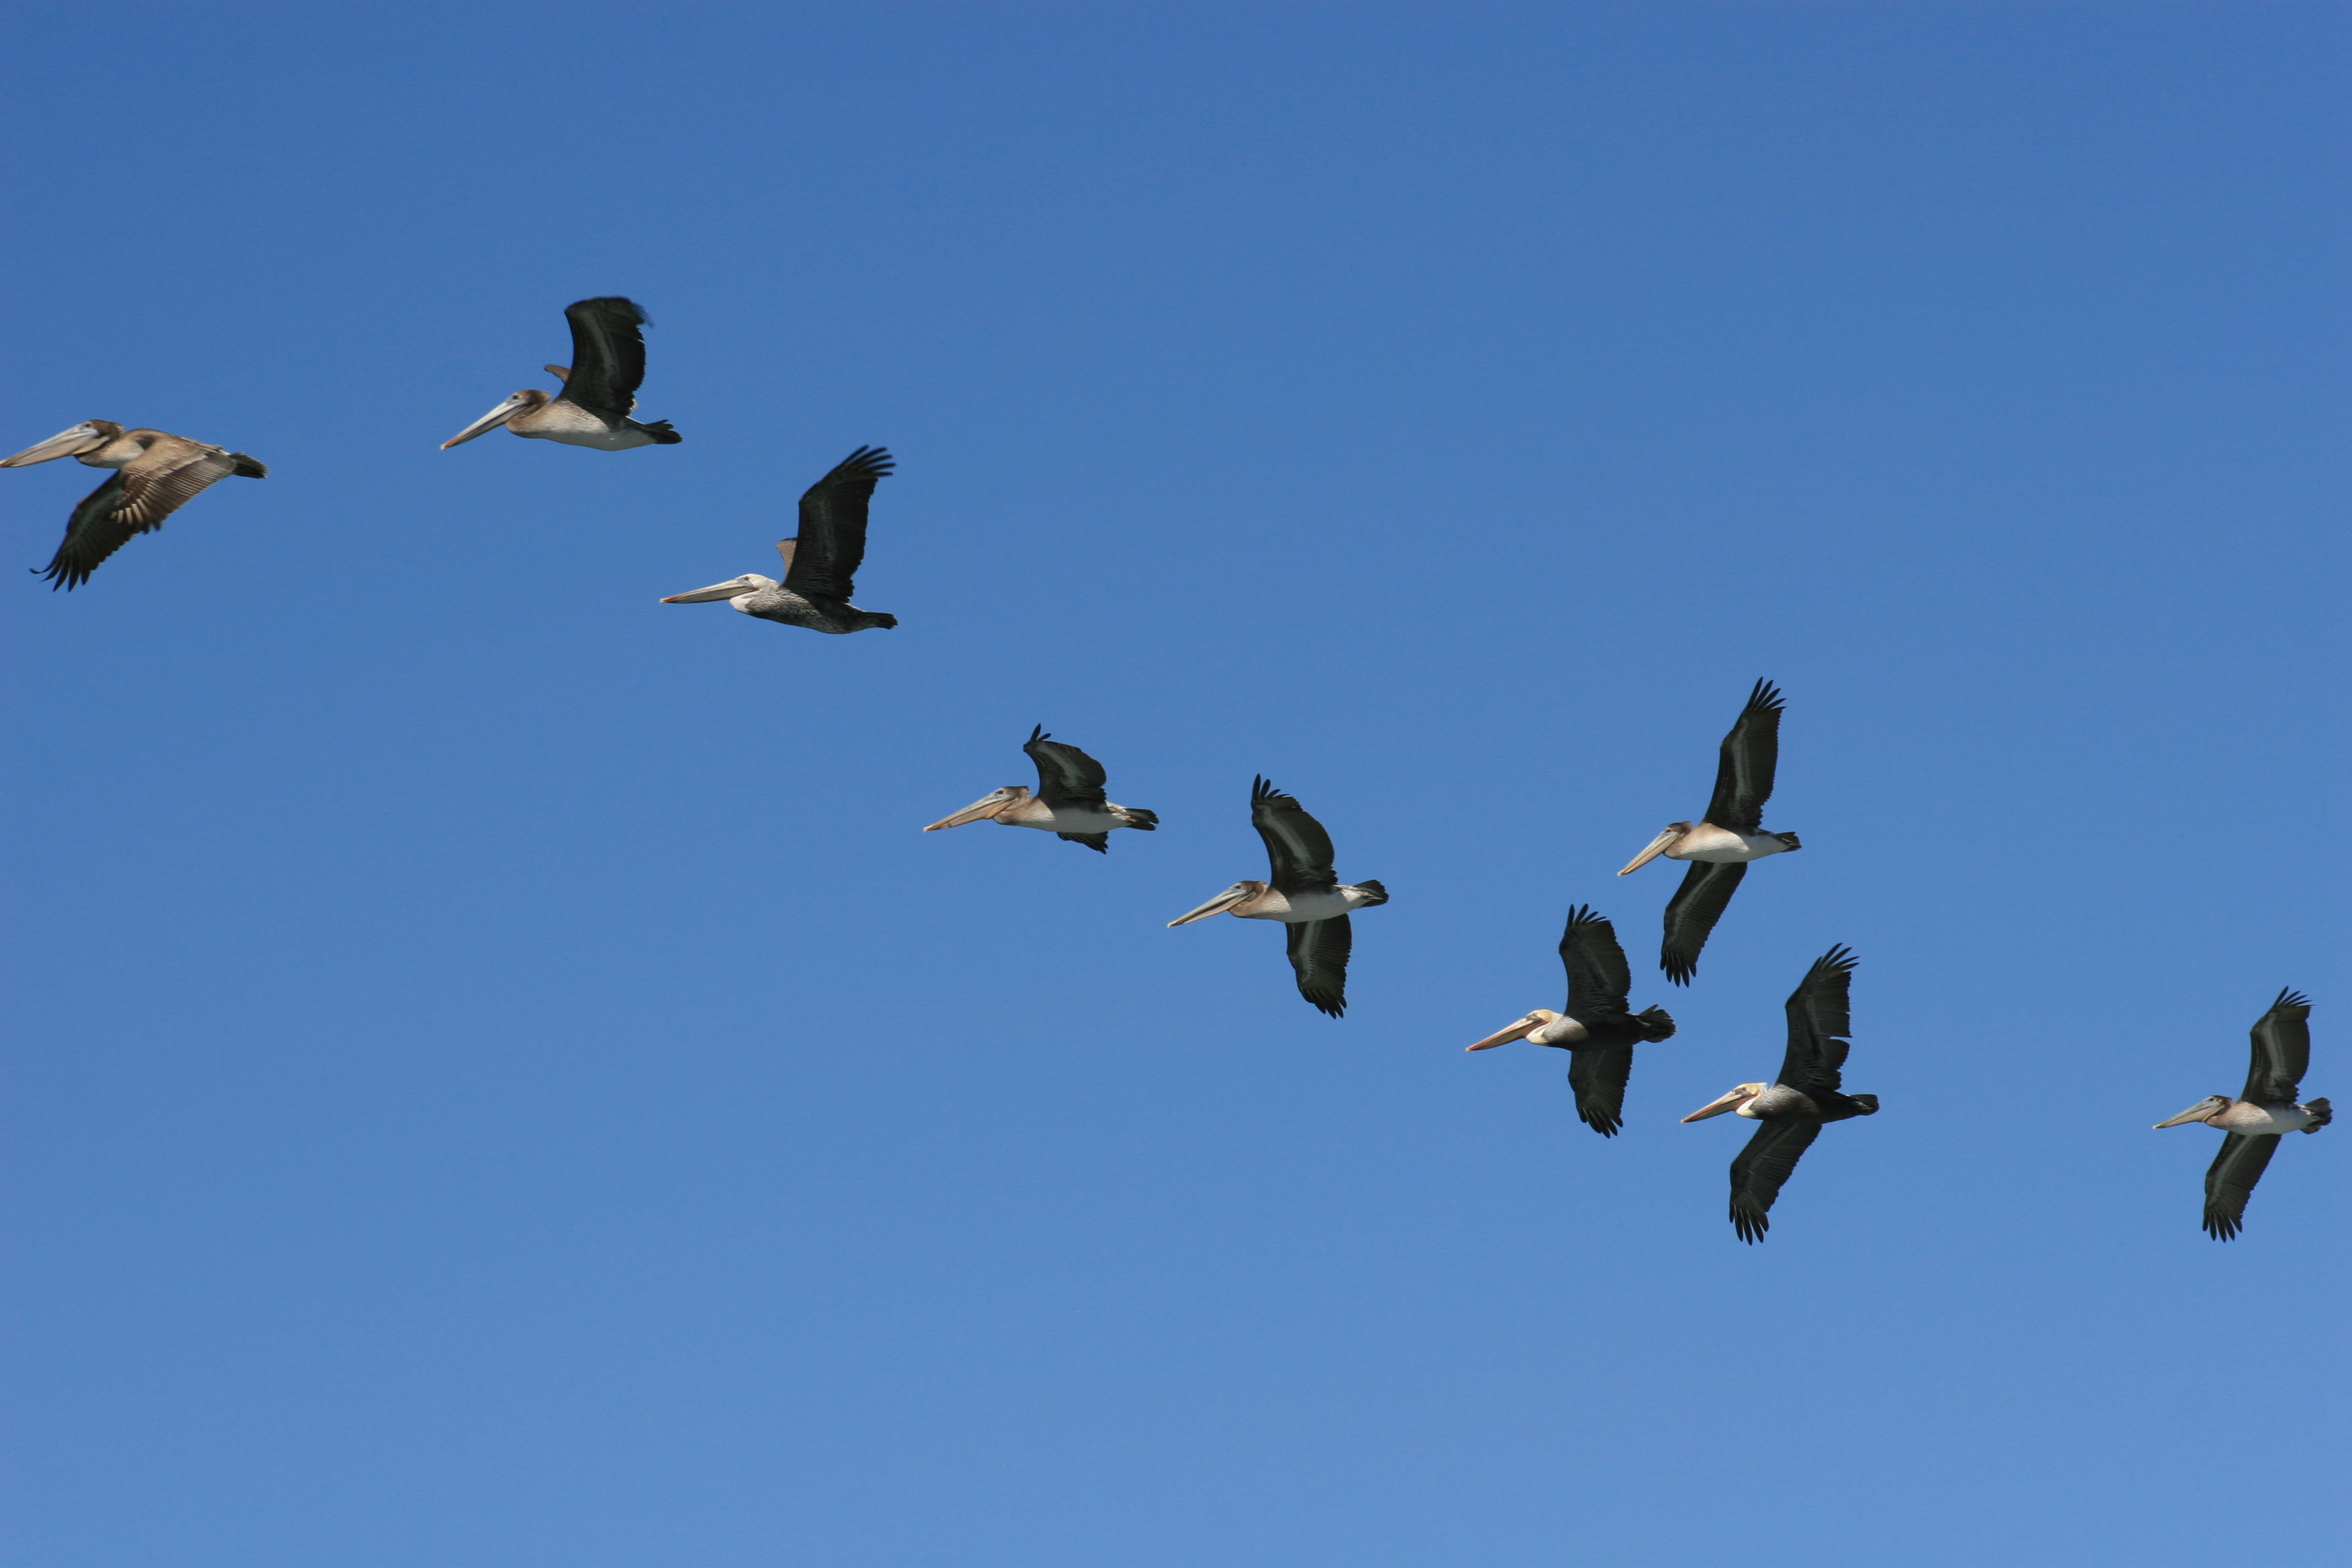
x=157, y=473
x=1795, y=1109
x=1303, y=892
x=1720, y=847
x=1595, y=1028
x=2258, y=1117
x=600, y=387
x=1069, y=800
x=819, y=562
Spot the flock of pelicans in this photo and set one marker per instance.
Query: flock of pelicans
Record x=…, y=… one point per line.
x=155, y=473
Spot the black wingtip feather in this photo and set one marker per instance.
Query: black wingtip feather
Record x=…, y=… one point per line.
x=1764, y=697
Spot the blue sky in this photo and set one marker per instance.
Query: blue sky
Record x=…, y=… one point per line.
x=503, y=1081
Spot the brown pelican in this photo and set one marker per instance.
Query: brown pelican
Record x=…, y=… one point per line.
x=1303, y=892
x=1795, y=1109
x=1731, y=834
x=2256, y=1118
x=600, y=387
x=819, y=563
x=1595, y=1028
x=1069, y=801
x=156, y=474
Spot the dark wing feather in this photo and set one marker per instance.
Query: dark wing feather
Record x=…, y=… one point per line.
x=1598, y=975
x=2282, y=1041
x=1757, y=1175
x=1743, y=777
x=2229, y=1181
x=1297, y=851
x=1820, y=1019
x=832, y=544
x=1097, y=842
x=135, y=500
x=1697, y=904
x=608, y=357
x=1599, y=1077
x=1066, y=776
x=1319, y=954
x=92, y=535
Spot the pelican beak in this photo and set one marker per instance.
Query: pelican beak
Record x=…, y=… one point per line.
x=2197, y=1112
x=488, y=422
x=1716, y=1107
x=82, y=437
x=1518, y=1031
x=986, y=805
x=1658, y=846
x=734, y=588
x=1240, y=893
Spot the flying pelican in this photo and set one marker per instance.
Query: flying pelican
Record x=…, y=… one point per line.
x=600, y=387
x=1731, y=834
x=1303, y=892
x=2255, y=1120
x=1795, y=1109
x=1069, y=801
x=1596, y=1028
x=819, y=563
x=155, y=475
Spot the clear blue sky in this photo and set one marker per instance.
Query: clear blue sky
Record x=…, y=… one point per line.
x=502, y=1082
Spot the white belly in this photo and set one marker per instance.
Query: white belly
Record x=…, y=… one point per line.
x=1291, y=909
x=2254, y=1120
x=1720, y=846
x=1068, y=820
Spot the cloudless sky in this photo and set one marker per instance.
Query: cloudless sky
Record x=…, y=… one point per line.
x=500, y=1082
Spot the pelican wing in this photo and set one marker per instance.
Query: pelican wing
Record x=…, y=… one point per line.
x=136, y=499
x=1697, y=904
x=1066, y=776
x=1298, y=850
x=1743, y=777
x=2229, y=1181
x=1598, y=977
x=2282, y=1041
x=1760, y=1169
x=608, y=357
x=1820, y=1019
x=1599, y=1077
x=832, y=544
x=1318, y=955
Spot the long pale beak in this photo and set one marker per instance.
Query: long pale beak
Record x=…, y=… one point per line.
x=712, y=595
x=1518, y=1031
x=1658, y=846
x=2197, y=1112
x=64, y=444
x=1732, y=1102
x=986, y=805
x=488, y=422
x=1236, y=894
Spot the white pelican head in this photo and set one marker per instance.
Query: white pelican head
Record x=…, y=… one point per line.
x=2205, y=1109
x=1232, y=897
x=1736, y=1101
x=996, y=803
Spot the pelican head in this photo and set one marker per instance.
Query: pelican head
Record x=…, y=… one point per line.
x=1736, y=1100
x=991, y=804
x=1666, y=840
x=87, y=436
x=734, y=588
x=1518, y=1031
x=2205, y=1109
x=528, y=397
x=1238, y=894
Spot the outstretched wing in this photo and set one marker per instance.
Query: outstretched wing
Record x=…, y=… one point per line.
x=1318, y=955
x=136, y=499
x=608, y=357
x=2282, y=1040
x=1599, y=1079
x=832, y=542
x=1697, y=904
x=1097, y=842
x=1066, y=776
x=1298, y=850
x=1757, y=1174
x=2229, y=1181
x=1598, y=977
x=1743, y=777
x=1820, y=1019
